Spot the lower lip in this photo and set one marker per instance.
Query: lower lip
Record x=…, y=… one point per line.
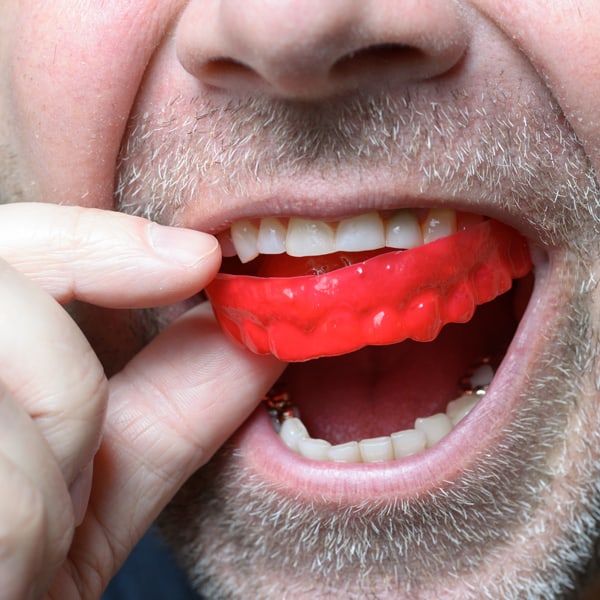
x=477, y=434
x=350, y=483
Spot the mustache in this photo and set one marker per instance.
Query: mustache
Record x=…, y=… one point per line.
x=517, y=152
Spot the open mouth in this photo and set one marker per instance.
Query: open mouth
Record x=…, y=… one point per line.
x=395, y=324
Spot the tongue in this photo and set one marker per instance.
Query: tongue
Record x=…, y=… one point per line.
x=383, y=300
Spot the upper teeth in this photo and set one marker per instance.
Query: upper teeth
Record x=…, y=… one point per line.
x=306, y=237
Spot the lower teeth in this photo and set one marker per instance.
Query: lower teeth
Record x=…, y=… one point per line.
x=427, y=431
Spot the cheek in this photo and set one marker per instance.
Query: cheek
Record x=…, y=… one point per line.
x=562, y=43
x=74, y=74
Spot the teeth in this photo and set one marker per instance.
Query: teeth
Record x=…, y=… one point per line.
x=403, y=231
x=292, y=431
x=434, y=427
x=440, y=222
x=407, y=442
x=243, y=236
x=314, y=449
x=348, y=452
x=309, y=238
x=427, y=432
x=458, y=409
x=365, y=232
x=370, y=231
x=377, y=449
x=271, y=236
x=482, y=376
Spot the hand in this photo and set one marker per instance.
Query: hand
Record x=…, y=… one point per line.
x=86, y=464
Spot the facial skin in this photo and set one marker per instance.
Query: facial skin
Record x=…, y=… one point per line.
x=201, y=114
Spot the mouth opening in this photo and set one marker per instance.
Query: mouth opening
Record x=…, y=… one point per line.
x=371, y=403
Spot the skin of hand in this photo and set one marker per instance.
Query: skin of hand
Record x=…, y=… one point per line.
x=90, y=461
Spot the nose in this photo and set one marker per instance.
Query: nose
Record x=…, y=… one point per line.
x=309, y=49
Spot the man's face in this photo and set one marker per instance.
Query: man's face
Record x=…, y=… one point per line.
x=209, y=114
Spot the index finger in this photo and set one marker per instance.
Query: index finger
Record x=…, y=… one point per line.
x=105, y=258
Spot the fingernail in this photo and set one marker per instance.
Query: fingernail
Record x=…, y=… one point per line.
x=184, y=246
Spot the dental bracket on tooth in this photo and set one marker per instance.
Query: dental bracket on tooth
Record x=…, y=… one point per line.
x=477, y=380
x=279, y=406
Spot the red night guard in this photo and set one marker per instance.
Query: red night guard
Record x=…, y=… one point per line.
x=383, y=300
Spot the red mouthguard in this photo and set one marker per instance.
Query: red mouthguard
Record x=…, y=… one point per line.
x=383, y=300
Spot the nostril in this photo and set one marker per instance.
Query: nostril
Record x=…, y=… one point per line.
x=215, y=66
x=401, y=62
x=378, y=56
x=218, y=71
x=379, y=53
x=376, y=63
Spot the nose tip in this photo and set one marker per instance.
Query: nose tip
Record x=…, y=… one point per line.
x=309, y=49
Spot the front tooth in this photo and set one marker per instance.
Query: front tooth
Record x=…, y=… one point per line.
x=363, y=232
x=458, y=409
x=440, y=222
x=377, y=449
x=292, y=431
x=434, y=427
x=313, y=448
x=271, y=236
x=403, y=231
x=407, y=442
x=348, y=452
x=309, y=238
x=244, y=236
